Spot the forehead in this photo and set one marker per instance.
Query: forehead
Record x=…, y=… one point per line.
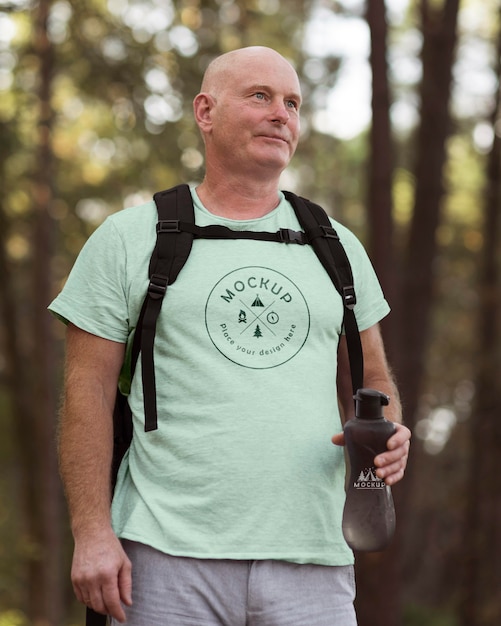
x=258, y=73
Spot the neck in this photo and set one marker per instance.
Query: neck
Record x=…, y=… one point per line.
x=238, y=200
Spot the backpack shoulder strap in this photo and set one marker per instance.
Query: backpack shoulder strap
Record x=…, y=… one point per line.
x=331, y=252
x=169, y=255
x=175, y=233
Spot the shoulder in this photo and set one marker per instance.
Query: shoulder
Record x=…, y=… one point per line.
x=127, y=227
x=141, y=216
x=346, y=236
x=320, y=214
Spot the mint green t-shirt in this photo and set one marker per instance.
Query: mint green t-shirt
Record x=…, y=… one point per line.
x=242, y=465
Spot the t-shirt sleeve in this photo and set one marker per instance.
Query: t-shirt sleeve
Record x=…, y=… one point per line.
x=371, y=306
x=94, y=297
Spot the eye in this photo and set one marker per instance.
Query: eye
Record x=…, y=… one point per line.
x=292, y=104
x=259, y=95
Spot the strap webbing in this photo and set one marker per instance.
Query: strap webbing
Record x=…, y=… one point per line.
x=215, y=231
x=176, y=217
x=166, y=262
x=333, y=256
x=95, y=619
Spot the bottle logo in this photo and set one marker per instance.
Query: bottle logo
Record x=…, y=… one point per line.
x=369, y=480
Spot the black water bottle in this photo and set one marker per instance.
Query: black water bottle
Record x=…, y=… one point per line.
x=369, y=513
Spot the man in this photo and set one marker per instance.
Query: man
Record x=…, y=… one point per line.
x=229, y=513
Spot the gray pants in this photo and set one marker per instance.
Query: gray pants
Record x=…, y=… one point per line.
x=179, y=591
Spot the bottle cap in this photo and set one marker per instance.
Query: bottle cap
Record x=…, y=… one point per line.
x=369, y=403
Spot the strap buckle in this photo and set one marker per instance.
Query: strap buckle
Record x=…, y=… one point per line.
x=329, y=232
x=158, y=286
x=168, y=226
x=287, y=235
x=349, y=297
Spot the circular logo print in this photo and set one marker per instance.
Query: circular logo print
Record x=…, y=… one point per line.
x=257, y=317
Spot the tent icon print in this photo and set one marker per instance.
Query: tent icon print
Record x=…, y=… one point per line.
x=368, y=477
x=257, y=302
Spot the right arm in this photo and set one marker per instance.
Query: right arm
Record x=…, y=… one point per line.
x=377, y=375
x=101, y=571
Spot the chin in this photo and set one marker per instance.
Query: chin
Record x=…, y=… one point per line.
x=279, y=162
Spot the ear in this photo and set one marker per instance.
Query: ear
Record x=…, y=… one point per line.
x=202, y=109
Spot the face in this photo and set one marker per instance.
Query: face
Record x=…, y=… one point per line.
x=254, y=115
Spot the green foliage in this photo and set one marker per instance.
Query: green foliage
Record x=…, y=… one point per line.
x=417, y=616
x=13, y=618
x=122, y=80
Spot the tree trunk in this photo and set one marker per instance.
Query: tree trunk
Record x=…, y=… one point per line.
x=481, y=603
x=417, y=281
x=380, y=166
x=414, y=306
x=377, y=606
x=45, y=579
x=439, y=29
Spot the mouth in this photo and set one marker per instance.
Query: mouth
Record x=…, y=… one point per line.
x=276, y=138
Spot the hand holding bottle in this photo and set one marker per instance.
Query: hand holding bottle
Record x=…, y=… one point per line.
x=369, y=514
x=392, y=462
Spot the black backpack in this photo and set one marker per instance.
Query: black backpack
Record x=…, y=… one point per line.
x=176, y=230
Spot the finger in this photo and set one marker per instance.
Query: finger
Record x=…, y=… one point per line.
x=100, y=602
x=401, y=436
x=393, y=477
x=338, y=439
x=125, y=583
x=398, y=456
x=102, y=596
x=79, y=593
x=96, y=602
x=83, y=594
x=112, y=603
x=391, y=470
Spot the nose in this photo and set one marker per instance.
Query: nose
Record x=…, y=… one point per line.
x=280, y=112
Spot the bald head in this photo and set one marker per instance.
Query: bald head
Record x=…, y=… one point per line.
x=248, y=113
x=225, y=69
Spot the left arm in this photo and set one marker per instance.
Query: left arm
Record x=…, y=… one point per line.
x=377, y=375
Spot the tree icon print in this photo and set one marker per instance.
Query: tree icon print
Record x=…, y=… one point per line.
x=257, y=332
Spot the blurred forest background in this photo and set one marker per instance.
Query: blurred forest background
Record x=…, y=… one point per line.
x=95, y=115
